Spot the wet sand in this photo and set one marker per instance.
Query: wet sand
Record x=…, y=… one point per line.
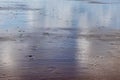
x=59, y=40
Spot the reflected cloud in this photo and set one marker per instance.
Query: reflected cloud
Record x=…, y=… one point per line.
x=7, y=50
x=83, y=50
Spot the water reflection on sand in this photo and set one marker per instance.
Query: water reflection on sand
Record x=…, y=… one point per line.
x=59, y=40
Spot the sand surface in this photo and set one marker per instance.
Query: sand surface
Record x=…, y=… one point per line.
x=59, y=40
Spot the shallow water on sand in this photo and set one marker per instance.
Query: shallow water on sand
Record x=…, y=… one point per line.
x=59, y=40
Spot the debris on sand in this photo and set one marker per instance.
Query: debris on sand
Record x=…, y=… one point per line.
x=96, y=2
x=51, y=69
x=30, y=55
x=46, y=33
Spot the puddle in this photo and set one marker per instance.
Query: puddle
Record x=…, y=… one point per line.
x=59, y=40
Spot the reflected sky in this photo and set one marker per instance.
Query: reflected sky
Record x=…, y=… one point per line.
x=23, y=14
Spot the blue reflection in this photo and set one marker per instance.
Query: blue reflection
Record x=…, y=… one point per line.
x=57, y=14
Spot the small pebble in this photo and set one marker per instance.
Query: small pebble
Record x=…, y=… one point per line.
x=30, y=56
